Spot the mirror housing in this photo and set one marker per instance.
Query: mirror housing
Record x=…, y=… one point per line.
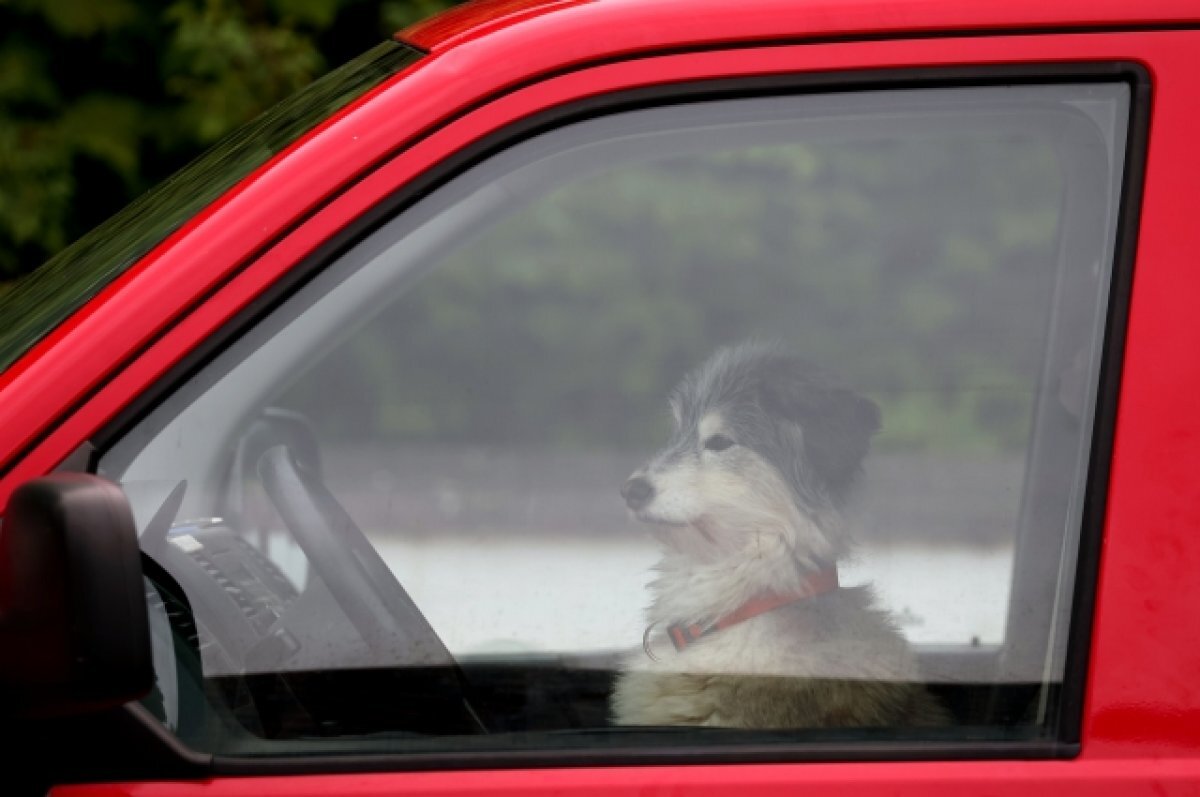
x=74, y=633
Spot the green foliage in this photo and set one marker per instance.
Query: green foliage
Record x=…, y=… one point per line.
x=38, y=301
x=72, y=18
x=221, y=68
x=99, y=101
x=568, y=322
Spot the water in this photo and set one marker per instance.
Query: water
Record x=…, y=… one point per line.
x=531, y=596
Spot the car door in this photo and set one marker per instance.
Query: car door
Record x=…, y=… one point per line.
x=409, y=418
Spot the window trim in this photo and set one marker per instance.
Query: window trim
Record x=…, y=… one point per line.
x=1071, y=702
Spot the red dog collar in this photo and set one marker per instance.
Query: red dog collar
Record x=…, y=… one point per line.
x=816, y=584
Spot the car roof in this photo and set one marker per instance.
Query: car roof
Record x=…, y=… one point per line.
x=682, y=23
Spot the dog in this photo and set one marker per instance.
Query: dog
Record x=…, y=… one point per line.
x=748, y=625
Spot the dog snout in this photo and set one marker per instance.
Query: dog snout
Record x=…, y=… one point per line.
x=637, y=492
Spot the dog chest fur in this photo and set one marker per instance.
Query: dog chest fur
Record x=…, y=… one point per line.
x=829, y=662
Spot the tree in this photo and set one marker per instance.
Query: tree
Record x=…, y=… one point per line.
x=100, y=101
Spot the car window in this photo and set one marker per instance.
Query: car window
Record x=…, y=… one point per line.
x=39, y=301
x=753, y=420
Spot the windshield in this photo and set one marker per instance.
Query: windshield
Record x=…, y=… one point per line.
x=38, y=302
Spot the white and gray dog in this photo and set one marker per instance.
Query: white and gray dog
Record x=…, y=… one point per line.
x=748, y=626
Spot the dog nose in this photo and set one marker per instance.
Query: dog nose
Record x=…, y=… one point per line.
x=637, y=492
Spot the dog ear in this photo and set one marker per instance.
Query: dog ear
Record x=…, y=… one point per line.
x=837, y=423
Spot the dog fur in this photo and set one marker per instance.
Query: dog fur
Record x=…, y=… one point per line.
x=747, y=499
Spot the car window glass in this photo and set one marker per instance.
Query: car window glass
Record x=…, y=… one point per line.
x=768, y=415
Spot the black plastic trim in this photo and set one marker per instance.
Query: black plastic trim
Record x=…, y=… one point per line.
x=1079, y=635
x=1067, y=745
x=123, y=743
x=628, y=756
x=70, y=554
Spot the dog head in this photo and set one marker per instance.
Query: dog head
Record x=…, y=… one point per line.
x=763, y=441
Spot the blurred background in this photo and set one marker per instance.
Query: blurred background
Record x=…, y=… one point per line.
x=102, y=99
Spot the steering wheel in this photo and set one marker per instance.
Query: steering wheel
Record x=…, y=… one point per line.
x=367, y=591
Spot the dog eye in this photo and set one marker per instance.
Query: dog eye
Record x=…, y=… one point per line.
x=718, y=442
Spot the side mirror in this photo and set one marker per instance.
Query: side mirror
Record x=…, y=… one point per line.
x=74, y=634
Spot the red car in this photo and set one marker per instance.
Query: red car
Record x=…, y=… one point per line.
x=371, y=375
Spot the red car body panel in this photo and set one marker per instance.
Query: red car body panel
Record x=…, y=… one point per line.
x=633, y=26
x=1112, y=778
x=496, y=63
